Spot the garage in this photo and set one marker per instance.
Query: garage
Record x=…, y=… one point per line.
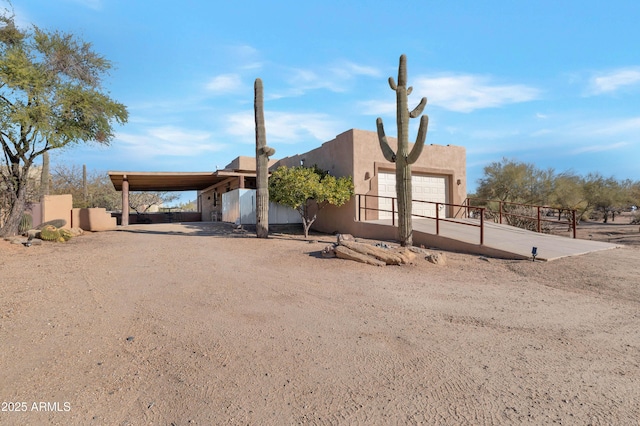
x=432, y=188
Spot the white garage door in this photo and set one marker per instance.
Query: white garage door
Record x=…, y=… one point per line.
x=425, y=188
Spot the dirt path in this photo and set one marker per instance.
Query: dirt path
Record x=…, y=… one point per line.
x=191, y=325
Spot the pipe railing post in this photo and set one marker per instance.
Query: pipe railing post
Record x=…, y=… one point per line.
x=437, y=218
x=482, y=226
x=539, y=222
x=500, y=208
x=573, y=222
x=393, y=211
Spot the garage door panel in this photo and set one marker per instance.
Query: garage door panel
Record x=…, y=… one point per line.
x=424, y=187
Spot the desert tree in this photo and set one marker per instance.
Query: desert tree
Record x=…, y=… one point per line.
x=603, y=194
x=51, y=96
x=308, y=190
x=568, y=194
x=142, y=202
x=515, y=182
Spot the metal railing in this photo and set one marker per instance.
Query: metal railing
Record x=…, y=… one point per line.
x=504, y=212
x=364, y=206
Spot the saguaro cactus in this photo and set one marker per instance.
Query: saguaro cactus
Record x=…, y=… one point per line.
x=44, y=177
x=402, y=157
x=263, y=152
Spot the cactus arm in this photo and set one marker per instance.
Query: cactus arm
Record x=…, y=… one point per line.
x=422, y=136
x=388, y=153
x=409, y=90
x=392, y=84
x=266, y=150
x=418, y=110
x=402, y=71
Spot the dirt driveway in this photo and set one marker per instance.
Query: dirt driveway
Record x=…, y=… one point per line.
x=181, y=325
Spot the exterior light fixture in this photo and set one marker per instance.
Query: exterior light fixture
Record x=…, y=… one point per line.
x=534, y=253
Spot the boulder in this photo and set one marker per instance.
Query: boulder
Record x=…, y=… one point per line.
x=385, y=255
x=345, y=237
x=344, y=252
x=329, y=251
x=437, y=258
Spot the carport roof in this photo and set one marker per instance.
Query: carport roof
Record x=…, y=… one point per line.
x=170, y=181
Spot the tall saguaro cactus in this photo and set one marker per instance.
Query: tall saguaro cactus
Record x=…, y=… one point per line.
x=263, y=152
x=45, y=176
x=402, y=157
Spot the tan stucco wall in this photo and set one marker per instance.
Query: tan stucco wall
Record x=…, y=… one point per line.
x=57, y=207
x=357, y=153
x=245, y=164
x=92, y=219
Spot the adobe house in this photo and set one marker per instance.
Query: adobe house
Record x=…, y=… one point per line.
x=439, y=175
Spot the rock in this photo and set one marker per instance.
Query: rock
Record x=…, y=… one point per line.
x=437, y=258
x=486, y=259
x=419, y=250
x=407, y=255
x=346, y=253
x=76, y=231
x=345, y=237
x=387, y=256
x=329, y=251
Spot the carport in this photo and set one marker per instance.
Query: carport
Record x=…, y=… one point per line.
x=170, y=181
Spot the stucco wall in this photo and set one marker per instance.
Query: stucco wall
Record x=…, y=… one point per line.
x=357, y=153
x=57, y=207
x=92, y=219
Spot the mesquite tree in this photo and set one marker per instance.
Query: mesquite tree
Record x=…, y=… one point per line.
x=308, y=190
x=51, y=96
x=402, y=157
x=263, y=152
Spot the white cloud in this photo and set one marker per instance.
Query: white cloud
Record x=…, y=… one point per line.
x=460, y=93
x=614, y=80
x=167, y=141
x=348, y=70
x=225, y=83
x=611, y=127
x=466, y=93
x=336, y=78
x=282, y=127
x=600, y=148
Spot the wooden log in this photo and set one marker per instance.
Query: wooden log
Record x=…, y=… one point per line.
x=343, y=252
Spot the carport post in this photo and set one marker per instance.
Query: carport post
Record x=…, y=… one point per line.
x=124, y=221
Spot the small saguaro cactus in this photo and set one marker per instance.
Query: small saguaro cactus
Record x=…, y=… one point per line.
x=402, y=157
x=263, y=152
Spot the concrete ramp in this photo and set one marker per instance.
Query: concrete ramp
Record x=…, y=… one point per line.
x=502, y=241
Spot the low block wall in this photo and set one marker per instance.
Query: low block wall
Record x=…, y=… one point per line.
x=93, y=219
x=161, y=217
x=57, y=207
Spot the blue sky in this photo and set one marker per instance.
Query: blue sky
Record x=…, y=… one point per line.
x=554, y=83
